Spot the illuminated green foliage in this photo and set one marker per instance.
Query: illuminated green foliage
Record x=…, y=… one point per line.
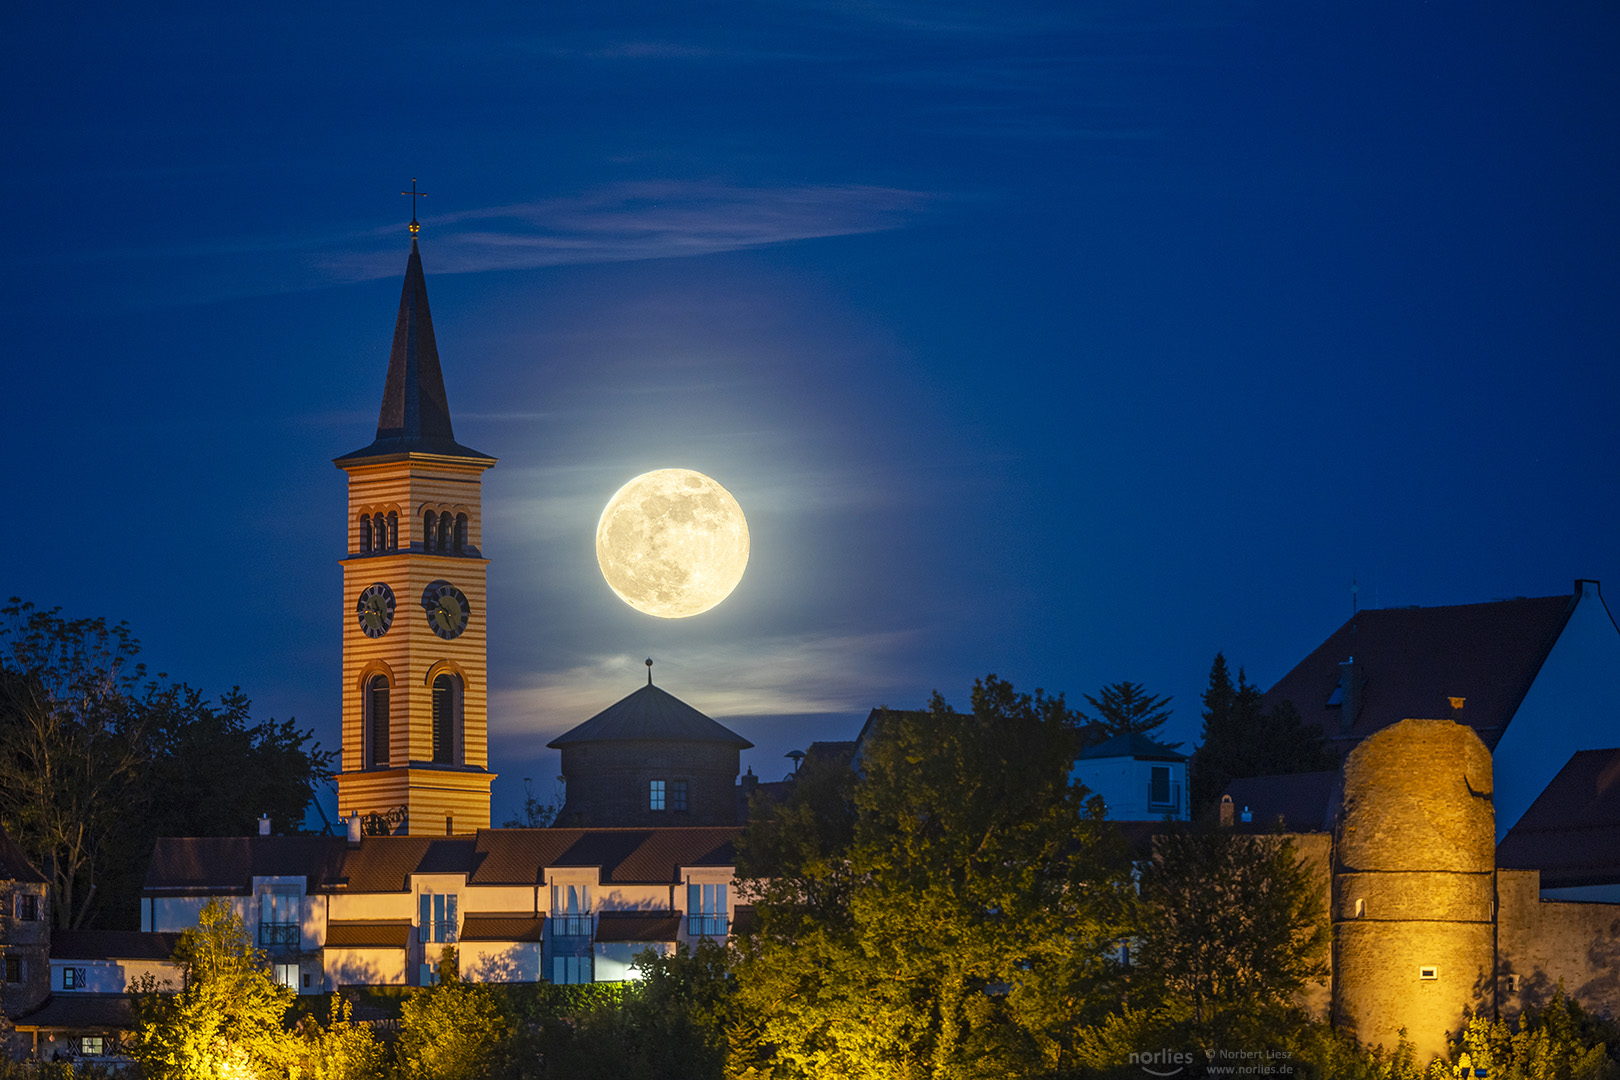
x=450, y=1031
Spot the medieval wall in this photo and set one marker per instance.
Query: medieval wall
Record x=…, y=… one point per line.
x=1543, y=943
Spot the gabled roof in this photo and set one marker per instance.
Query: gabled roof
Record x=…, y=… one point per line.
x=1571, y=833
x=651, y=714
x=112, y=945
x=15, y=864
x=1306, y=802
x=1131, y=744
x=415, y=415
x=213, y=864
x=1413, y=659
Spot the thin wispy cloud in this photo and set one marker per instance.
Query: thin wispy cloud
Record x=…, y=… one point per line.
x=776, y=677
x=646, y=220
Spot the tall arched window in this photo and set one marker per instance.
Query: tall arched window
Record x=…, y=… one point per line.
x=461, y=533
x=365, y=532
x=444, y=532
x=393, y=531
x=377, y=722
x=430, y=525
x=445, y=711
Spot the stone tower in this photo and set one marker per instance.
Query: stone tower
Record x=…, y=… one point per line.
x=650, y=759
x=1414, y=885
x=415, y=726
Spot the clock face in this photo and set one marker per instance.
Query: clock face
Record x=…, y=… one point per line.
x=375, y=609
x=447, y=609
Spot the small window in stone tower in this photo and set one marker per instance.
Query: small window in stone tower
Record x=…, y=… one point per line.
x=1361, y=909
x=655, y=795
x=1428, y=973
x=377, y=722
x=444, y=720
x=677, y=796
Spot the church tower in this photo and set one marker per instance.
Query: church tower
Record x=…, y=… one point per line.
x=415, y=722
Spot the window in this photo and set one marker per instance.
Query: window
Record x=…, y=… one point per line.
x=437, y=920
x=1427, y=973
x=444, y=533
x=280, y=917
x=677, y=796
x=285, y=975
x=91, y=1045
x=461, y=533
x=73, y=978
x=569, y=970
x=393, y=531
x=377, y=721
x=365, y=532
x=1159, y=786
x=655, y=795
x=444, y=720
x=571, y=911
x=27, y=907
x=14, y=969
x=1361, y=908
x=427, y=975
x=706, y=910
x=430, y=523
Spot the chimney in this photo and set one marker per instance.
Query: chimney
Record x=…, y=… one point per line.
x=1226, y=811
x=749, y=782
x=1457, y=704
x=354, y=827
x=264, y=825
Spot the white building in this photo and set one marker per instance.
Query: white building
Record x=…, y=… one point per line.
x=1138, y=779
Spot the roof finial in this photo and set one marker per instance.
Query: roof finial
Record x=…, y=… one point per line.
x=416, y=226
x=649, y=671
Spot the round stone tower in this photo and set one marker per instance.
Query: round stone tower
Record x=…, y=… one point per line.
x=1414, y=884
x=650, y=760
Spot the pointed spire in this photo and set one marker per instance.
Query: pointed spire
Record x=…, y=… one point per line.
x=415, y=411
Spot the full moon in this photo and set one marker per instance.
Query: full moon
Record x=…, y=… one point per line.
x=672, y=543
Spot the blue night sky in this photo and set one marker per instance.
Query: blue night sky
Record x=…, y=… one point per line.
x=1072, y=342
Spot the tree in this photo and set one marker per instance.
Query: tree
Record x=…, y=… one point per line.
x=944, y=911
x=450, y=1031
x=1241, y=739
x=97, y=760
x=1126, y=708
x=226, y=1017
x=1233, y=926
x=535, y=814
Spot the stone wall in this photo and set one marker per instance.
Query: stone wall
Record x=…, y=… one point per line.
x=27, y=940
x=1542, y=943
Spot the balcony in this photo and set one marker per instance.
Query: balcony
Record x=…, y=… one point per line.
x=279, y=935
x=709, y=926
x=573, y=926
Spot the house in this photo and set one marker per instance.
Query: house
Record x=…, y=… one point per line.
x=568, y=905
x=88, y=1013
x=1137, y=778
x=1533, y=677
x=1571, y=833
x=25, y=931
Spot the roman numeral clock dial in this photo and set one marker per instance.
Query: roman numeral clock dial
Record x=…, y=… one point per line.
x=447, y=609
x=375, y=610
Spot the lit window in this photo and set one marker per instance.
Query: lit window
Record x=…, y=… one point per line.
x=437, y=920
x=655, y=795
x=571, y=911
x=570, y=970
x=91, y=1045
x=706, y=910
x=73, y=978
x=677, y=796
x=285, y=975
x=280, y=916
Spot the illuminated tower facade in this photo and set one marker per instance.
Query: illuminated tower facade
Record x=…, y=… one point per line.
x=415, y=720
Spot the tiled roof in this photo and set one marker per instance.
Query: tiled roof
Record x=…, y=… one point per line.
x=626, y=856
x=651, y=714
x=1304, y=801
x=229, y=863
x=369, y=933
x=386, y=863
x=638, y=926
x=520, y=927
x=80, y=1012
x=1132, y=744
x=14, y=862
x=1571, y=833
x=112, y=945
x=415, y=415
x=1414, y=659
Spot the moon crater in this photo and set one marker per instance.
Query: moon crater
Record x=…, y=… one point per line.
x=672, y=543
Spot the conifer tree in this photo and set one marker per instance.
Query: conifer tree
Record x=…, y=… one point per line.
x=1125, y=708
x=1241, y=739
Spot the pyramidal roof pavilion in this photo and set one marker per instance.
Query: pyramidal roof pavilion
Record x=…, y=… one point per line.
x=651, y=714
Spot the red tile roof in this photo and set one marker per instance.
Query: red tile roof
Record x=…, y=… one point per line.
x=369, y=933
x=1571, y=833
x=520, y=927
x=1414, y=659
x=638, y=926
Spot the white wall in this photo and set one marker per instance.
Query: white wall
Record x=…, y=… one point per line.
x=1125, y=784
x=1574, y=704
x=500, y=961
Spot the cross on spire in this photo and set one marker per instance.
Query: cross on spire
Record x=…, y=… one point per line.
x=414, y=194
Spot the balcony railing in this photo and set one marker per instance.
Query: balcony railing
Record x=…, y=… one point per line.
x=570, y=926
x=279, y=935
x=712, y=926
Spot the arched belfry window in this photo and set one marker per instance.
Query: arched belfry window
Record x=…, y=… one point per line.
x=393, y=531
x=444, y=532
x=430, y=525
x=365, y=532
x=461, y=533
x=377, y=722
x=446, y=720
